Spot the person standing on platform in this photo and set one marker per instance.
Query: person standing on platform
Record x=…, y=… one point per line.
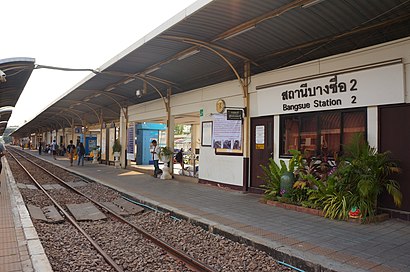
x=81, y=153
x=71, y=152
x=155, y=157
x=179, y=157
x=39, y=148
x=54, y=149
x=2, y=153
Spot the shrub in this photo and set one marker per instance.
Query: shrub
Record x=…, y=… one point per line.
x=272, y=175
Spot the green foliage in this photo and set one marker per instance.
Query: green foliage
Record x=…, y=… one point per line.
x=368, y=173
x=272, y=174
x=360, y=178
x=356, y=180
x=336, y=205
x=117, y=146
x=166, y=151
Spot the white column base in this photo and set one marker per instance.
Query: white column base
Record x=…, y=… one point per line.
x=165, y=173
x=117, y=163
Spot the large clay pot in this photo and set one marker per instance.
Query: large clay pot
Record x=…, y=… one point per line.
x=286, y=183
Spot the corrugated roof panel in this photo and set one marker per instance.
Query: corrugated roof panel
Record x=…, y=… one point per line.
x=296, y=35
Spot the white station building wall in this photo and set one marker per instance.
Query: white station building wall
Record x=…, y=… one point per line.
x=228, y=169
x=365, y=58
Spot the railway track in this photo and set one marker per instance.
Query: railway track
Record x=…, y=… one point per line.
x=114, y=218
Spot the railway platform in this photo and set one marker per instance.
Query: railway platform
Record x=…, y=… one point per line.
x=20, y=247
x=307, y=241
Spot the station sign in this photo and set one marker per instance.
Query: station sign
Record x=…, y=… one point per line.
x=382, y=85
x=234, y=114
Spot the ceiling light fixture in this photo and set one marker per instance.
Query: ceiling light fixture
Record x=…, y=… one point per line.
x=87, y=99
x=188, y=54
x=149, y=71
x=2, y=77
x=129, y=80
x=314, y=2
x=110, y=89
x=138, y=93
x=97, y=95
x=240, y=32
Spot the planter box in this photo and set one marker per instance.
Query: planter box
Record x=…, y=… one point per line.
x=378, y=218
x=295, y=208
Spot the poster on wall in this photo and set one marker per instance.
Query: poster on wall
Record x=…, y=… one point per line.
x=130, y=142
x=260, y=137
x=226, y=134
x=206, y=136
x=111, y=142
x=103, y=143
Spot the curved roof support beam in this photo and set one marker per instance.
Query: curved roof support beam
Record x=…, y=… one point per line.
x=88, y=106
x=72, y=111
x=94, y=92
x=53, y=121
x=159, y=80
x=88, y=103
x=113, y=99
x=68, y=120
x=158, y=91
x=21, y=68
x=62, y=117
x=184, y=39
x=78, y=116
x=244, y=88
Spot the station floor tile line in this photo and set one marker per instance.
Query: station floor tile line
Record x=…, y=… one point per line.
x=363, y=263
x=383, y=268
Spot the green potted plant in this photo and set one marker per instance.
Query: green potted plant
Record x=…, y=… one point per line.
x=165, y=155
x=116, y=150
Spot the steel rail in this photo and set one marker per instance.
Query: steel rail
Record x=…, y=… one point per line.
x=188, y=260
x=70, y=219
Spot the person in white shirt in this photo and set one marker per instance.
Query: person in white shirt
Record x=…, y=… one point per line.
x=2, y=153
x=155, y=157
x=54, y=149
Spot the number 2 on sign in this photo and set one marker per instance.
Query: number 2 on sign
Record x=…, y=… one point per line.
x=354, y=99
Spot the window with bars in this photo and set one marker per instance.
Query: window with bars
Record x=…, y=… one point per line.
x=321, y=132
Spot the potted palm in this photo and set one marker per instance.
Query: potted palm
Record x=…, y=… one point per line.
x=116, y=150
x=165, y=155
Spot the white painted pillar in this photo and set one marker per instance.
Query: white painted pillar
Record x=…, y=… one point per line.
x=123, y=136
x=372, y=126
x=171, y=140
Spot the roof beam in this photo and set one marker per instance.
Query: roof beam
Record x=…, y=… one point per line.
x=251, y=23
x=327, y=40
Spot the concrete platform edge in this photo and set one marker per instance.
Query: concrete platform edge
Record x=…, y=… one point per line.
x=22, y=218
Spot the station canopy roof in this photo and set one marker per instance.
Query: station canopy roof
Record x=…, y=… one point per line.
x=18, y=71
x=181, y=53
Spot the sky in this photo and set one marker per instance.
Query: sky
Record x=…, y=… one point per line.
x=73, y=34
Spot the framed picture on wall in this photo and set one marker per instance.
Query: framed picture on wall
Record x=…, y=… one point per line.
x=206, y=133
x=227, y=135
